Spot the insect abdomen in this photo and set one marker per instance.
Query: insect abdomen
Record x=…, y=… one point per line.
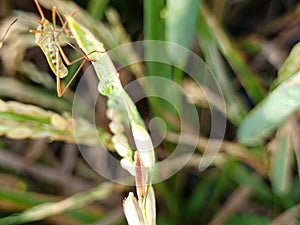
x=55, y=61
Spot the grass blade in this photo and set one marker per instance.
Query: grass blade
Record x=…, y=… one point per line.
x=290, y=66
x=180, y=13
x=236, y=109
x=270, y=113
x=281, y=161
x=247, y=78
x=96, y=8
x=45, y=210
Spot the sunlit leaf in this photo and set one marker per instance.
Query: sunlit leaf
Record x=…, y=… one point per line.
x=271, y=112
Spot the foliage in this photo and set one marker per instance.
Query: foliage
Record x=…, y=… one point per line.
x=254, y=178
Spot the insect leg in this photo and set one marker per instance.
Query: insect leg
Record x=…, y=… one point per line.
x=84, y=59
x=40, y=9
x=61, y=92
x=58, y=83
x=54, y=17
x=83, y=56
x=64, y=23
x=67, y=60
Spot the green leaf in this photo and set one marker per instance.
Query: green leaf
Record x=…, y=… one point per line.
x=235, y=107
x=234, y=57
x=153, y=21
x=109, y=83
x=154, y=28
x=42, y=208
x=105, y=70
x=281, y=163
x=243, y=176
x=180, y=26
x=96, y=8
x=199, y=197
x=271, y=112
x=248, y=219
x=290, y=66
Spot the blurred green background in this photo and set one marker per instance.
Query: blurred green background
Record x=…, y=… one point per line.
x=251, y=48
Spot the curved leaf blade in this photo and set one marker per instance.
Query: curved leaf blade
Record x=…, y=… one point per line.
x=181, y=13
x=271, y=112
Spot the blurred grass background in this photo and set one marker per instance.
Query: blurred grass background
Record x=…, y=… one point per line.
x=247, y=45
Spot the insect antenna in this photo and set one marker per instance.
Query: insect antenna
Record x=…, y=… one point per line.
x=40, y=9
x=6, y=32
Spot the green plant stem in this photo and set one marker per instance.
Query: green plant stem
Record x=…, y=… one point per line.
x=247, y=78
x=45, y=210
x=97, y=8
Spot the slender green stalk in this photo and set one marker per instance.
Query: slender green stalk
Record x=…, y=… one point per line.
x=247, y=78
x=45, y=210
x=97, y=8
x=179, y=14
x=153, y=21
x=235, y=107
x=123, y=110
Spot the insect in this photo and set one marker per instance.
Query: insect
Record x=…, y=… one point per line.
x=47, y=37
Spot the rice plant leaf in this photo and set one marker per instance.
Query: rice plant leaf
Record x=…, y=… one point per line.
x=280, y=103
x=248, y=219
x=180, y=26
x=105, y=70
x=271, y=112
x=44, y=210
x=232, y=54
x=109, y=83
x=290, y=66
x=243, y=176
x=154, y=28
x=97, y=8
x=153, y=21
x=235, y=107
x=281, y=160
